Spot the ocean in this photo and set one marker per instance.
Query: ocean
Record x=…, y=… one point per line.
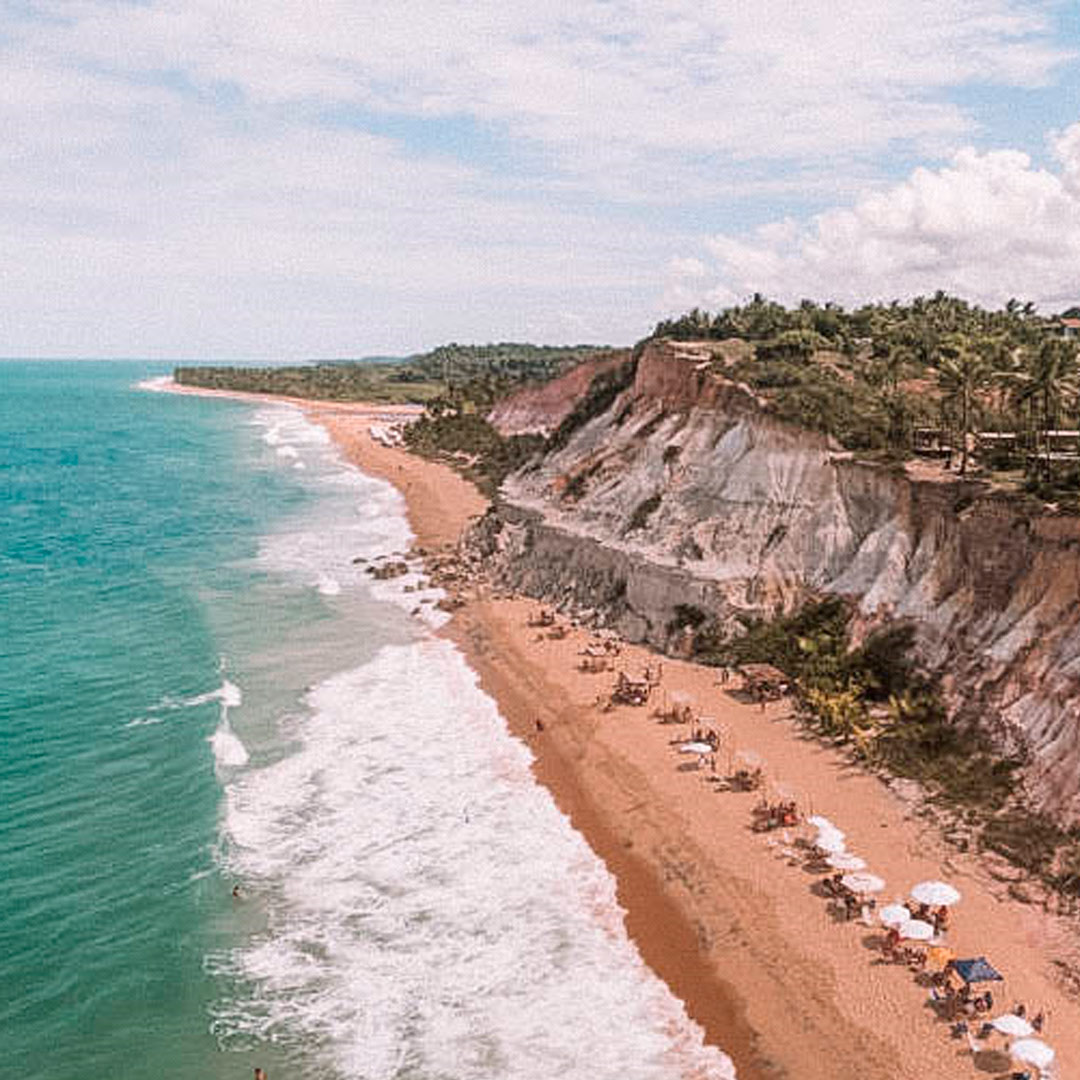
x=201, y=689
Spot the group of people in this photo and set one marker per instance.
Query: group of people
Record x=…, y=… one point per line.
x=779, y=815
x=937, y=917
x=853, y=904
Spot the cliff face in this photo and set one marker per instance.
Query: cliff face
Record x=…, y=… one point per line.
x=540, y=409
x=685, y=493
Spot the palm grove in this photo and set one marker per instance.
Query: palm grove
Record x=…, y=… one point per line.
x=987, y=385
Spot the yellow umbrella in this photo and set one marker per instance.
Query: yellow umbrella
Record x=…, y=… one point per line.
x=938, y=957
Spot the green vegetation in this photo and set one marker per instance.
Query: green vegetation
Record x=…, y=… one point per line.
x=871, y=376
x=466, y=441
x=480, y=373
x=874, y=700
x=380, y=382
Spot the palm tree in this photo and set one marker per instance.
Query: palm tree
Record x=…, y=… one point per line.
x=962, y=372
x=1051, y=379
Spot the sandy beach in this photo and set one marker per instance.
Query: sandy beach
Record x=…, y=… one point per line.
x=737, y=928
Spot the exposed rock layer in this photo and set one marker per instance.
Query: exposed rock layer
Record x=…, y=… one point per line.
x=686, y=494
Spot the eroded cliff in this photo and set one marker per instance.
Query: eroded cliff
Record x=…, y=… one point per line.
x=684, y=493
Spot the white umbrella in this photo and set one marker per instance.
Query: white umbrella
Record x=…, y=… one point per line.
x=1011, y=1024
x=916, y=930
x=830, y=844
x=1032, y=1052
x=820, y=822
x=863, y=883
x=934, y=893
x=844, y=860
x=894, y=915
x=696, y=748
x=832, y=831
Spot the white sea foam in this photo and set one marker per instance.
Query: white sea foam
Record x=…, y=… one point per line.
x=157, y=384
x=145, y=721
x=227, y=693
x=286, y=425
x=431, y=911
x=328, y=585
x=358, y=516
x=229, y=751
x=230, y=694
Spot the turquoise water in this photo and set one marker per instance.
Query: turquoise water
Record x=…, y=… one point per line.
x=117, y=509
x=200, y=687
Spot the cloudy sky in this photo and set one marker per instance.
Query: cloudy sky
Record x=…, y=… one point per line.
x=281, y=179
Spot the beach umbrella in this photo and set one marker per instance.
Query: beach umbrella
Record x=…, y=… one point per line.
x=894, y=915
x=916, y=930
x=977, y=970
x=862, y=883
x=829, y=843
x=844, y=860
x=829, y=834
x=822, y=823
x=1011, y=1024
x=1032, y=1052
x=696, y=748
x=934, y=893
x=938, y=958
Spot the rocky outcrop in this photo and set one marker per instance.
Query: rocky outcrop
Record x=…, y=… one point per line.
x=685, y=494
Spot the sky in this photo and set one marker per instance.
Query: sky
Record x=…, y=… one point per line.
x=286, y=180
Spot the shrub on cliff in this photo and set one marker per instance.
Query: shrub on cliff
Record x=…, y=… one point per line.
x=472, y=446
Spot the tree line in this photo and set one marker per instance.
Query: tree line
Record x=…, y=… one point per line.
x=873, y=376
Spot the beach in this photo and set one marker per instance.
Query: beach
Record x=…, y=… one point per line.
x=736, y=928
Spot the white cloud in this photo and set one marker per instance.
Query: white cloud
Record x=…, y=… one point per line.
x=587, y=77
x=987, y=226
x=169, y=180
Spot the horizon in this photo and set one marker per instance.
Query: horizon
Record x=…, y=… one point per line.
x=190, y=179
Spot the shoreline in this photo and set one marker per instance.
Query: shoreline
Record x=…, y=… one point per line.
x=717, y=912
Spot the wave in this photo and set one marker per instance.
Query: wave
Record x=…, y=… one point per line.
x=157, y=384
x=431, y=909
x=229, y=751
x=228, y=693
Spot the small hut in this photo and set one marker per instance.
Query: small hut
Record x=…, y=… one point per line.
x=764, y=681
x=931, y=442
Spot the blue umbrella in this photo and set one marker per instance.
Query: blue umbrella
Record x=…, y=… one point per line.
x=977, y=970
